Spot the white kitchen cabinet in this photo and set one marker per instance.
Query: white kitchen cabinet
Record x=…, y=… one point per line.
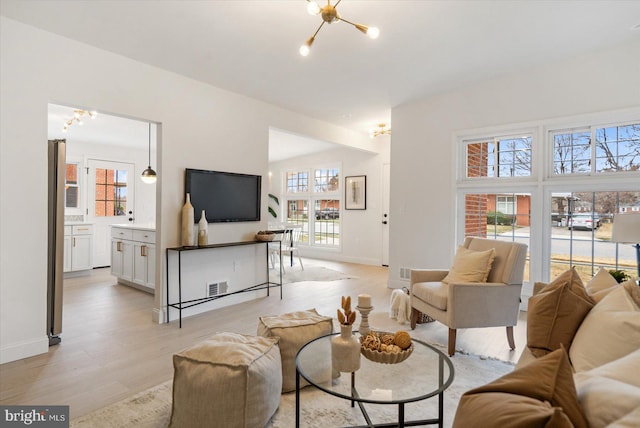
x=133, y=257
x=78, y=248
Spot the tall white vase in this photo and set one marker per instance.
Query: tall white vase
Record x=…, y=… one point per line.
x=345, y=350
x=203, y=230
x=188, y=221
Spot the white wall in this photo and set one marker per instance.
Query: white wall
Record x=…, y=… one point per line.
x=422, y=148
x=360, y=231
x=202, y=127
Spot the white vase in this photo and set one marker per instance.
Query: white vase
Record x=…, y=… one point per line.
x=345, y=351
x=187, y=223
x=203, y=230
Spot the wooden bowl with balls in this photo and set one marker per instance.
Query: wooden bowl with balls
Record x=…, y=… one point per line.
x=386, y=348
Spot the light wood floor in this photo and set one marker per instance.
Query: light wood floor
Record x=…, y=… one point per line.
x=111, y=349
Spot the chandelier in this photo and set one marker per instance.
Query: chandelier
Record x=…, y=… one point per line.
x=382, y=130
x=77, y=117
x=330, y=15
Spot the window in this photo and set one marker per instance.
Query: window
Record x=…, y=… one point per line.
x=297, y=182
x=72, y=186
x=499, y=157
x=315, y=206
x=111, y=192
x=616, y=149
x=504, y=217
x=572, y=220
x=581, y=228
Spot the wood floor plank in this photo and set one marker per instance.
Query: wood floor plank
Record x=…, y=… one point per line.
x=112, y=349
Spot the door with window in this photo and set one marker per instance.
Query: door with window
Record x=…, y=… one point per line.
x=110, y=196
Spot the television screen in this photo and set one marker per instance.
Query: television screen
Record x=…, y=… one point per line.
x=224, y=196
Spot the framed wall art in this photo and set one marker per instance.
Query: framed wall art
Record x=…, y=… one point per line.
x=355, y=197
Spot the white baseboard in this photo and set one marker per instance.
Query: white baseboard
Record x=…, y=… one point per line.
x=24, y=349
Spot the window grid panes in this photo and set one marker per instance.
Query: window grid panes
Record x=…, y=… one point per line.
x=297, y=182
x=71, y=193
x=327, y=224
x=298, y=214
x=111, y=192
x=327, y=180
x=581, y=227
x=499, y=157
x=616, y=149
x=572, y=152
x=487, y=216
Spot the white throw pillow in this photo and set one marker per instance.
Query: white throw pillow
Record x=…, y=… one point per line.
x=601, y=284
x=610, y=331
x=610, y=392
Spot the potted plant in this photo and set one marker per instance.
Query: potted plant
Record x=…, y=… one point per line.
x=619, y=275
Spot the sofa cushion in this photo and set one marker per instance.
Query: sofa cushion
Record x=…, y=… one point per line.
x=470, y=266
x=433, y=293
x=548, y=379
x=601, y=284
x=610, y=392
x=610, y=331
x=555, y=313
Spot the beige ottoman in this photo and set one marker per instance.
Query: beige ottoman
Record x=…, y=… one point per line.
x=229, y=380
x=294, y=330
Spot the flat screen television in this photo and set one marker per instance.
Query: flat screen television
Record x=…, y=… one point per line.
x=224, y=196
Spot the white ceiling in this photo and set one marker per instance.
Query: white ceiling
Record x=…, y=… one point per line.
x=425, y=47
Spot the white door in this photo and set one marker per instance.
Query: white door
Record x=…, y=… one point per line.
x=386, y=184
x=110, y=197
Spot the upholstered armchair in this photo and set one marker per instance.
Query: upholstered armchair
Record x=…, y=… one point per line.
x=461, y=302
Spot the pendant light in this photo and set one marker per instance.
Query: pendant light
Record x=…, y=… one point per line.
x=149, y=175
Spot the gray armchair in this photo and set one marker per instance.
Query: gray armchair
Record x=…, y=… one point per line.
x=474, y=304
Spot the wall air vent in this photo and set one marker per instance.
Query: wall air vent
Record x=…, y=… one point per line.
x=217, y=288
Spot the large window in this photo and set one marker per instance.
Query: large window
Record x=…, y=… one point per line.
x=564, y=211
x=315, y=206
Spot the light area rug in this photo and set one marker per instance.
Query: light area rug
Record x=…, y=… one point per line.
x=311, y=273
x=152, y=408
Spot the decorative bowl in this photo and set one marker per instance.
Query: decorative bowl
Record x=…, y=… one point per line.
x=385, y=357
x=265, y=236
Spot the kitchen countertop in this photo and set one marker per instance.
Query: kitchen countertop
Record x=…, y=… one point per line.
x=138, y=226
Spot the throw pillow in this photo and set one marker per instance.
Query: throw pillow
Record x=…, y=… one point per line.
x=470, y=266
x=555, y=313
x=539, y=393
x=610, y=331
x=601, y=284
x=610, y=392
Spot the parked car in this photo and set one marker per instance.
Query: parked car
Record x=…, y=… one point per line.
x=328, y=213
x=588, y=221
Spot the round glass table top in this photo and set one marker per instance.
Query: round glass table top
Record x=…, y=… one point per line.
x=425, y=373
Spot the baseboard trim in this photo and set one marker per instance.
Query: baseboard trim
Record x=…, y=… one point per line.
x=23, y=350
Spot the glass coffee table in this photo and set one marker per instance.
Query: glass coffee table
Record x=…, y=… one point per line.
x=426, y=373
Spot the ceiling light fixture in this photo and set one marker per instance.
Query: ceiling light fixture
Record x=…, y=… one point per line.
x=382, y=130
x=149, y=176
x=329, y=15
x=77, y=117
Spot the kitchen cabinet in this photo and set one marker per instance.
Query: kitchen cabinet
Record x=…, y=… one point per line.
x=133, y=256
x=78, y=247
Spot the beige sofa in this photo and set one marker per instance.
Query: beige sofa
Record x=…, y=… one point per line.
x=578, y=369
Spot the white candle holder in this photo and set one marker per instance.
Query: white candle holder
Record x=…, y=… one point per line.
x=364, y=319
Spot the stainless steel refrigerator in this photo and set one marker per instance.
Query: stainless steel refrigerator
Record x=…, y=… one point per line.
x=57, y=167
